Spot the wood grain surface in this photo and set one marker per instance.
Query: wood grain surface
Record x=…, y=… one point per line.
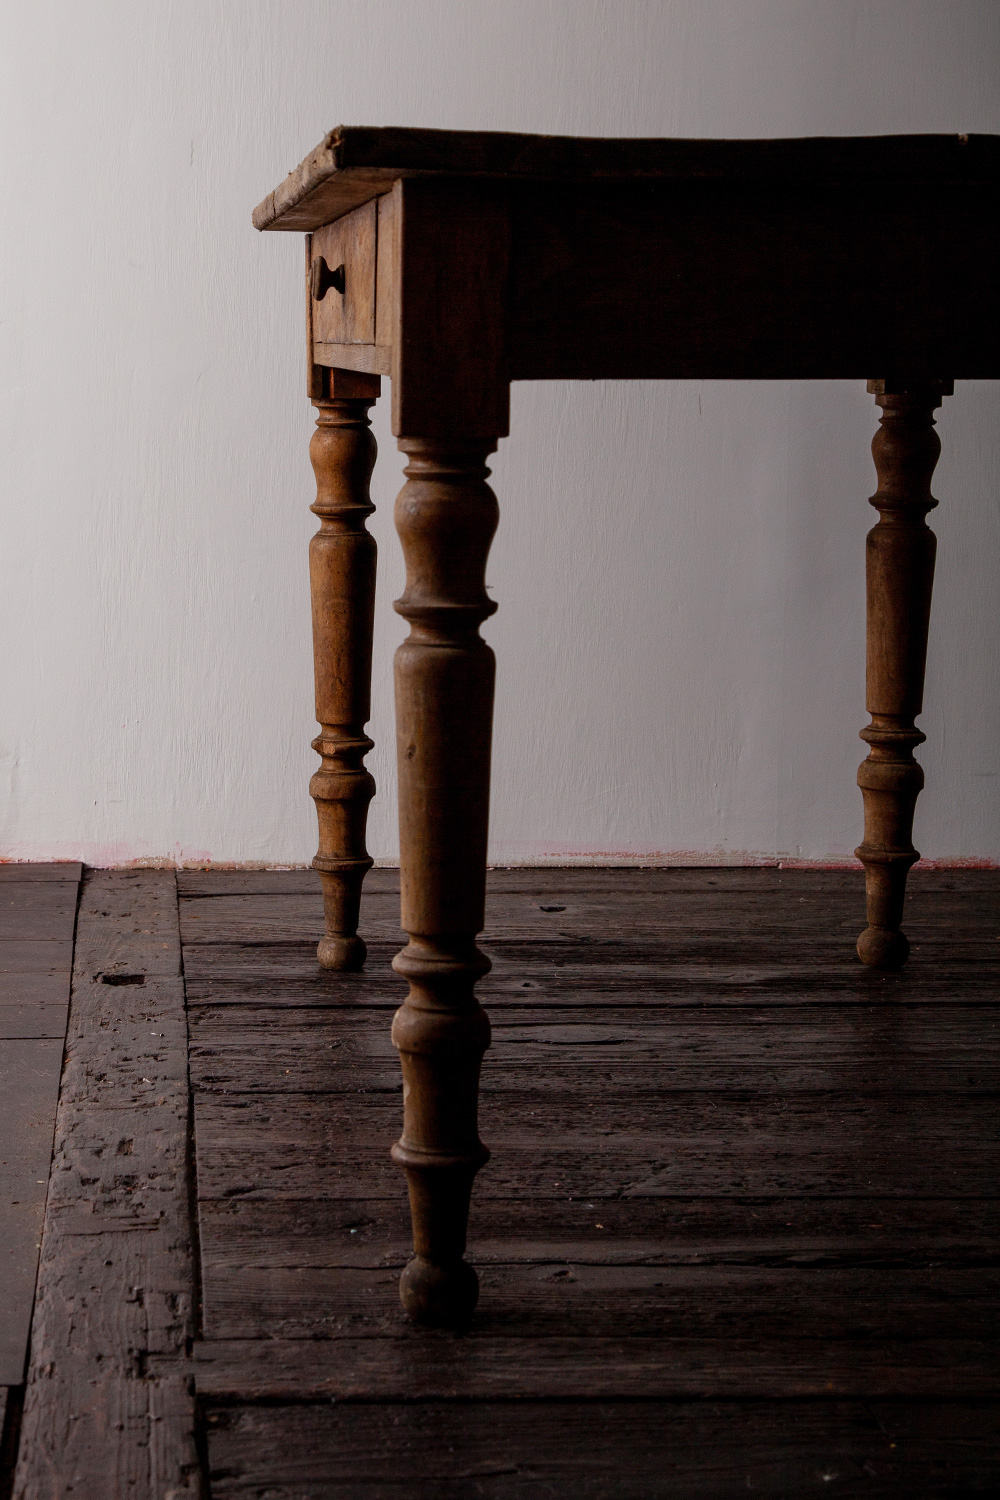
x=29, y=1086
x=747, y=1203
x=635, y=1450
x=17, y=874
x=900, y=553
x=116, y=1279
x=355, y=163
x=342, y=567
x=240, y=1233
x=739, y=1228
x=37, y=919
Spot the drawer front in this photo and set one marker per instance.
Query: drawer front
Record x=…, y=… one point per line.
x=342, y=279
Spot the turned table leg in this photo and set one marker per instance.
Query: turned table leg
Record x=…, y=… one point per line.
x=342, y=577
x=900, y=573
x=446, y=515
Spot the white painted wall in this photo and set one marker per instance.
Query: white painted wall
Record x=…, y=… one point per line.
x=679, y=566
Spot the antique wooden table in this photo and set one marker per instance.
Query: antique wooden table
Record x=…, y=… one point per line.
x=455, y=262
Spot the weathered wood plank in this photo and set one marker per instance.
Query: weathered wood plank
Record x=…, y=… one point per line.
x=617, y=1201
x=595, y=1144
x=208, y=884
x=335, y=1071
x=510, y=996
x=504, y=896
x=862, y=1307
x=700, y=969
x=35, y=956
x=579, y=880
x=504, y=1450
x=275, y=919
x=236, y=1233
x=904, y=1052
x=818, y=1030
x=194, y=884
x=20, y=1021
x=116, y=1275
x=525, y=975
x=29, y=1087
x=33, y=1009
x=35, y=1005
x=926, y=1027
x=729, y=878
x=17, y=874
x=37, y=909
x=412, y=1367
x=33, y=989
x=673, y=917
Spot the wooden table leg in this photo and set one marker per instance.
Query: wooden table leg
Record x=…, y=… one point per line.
x=900, y=573
x=446, y=515
x=342, y=576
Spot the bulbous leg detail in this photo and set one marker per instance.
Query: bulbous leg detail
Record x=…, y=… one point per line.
x=900, y=575
x=342, y=557
x=446, y=515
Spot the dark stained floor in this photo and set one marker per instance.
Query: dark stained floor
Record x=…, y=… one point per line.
x=738, y=1234
x=37, y=918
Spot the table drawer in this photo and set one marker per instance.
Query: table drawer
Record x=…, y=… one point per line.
x=342, y=279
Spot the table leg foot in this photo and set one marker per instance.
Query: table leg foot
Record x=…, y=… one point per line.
x=348, y=954
x=883, y=948
x=439, y=1296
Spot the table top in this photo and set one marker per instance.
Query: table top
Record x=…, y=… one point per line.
x=353, y=164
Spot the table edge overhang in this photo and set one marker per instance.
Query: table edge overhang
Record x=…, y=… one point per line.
x=353, y=164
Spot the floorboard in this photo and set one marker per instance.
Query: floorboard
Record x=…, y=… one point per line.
x=685, y=1450
x=245, y=1233
x=741, y=1189
x=910, y=1050
x=566, y=881
x=69, y=872
x=738, y=1234
x=573, y=1298
x=37, y=920
x=116, y=1281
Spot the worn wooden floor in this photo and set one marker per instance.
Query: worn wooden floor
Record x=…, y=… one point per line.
x=37, y=918
x=739, y=1231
